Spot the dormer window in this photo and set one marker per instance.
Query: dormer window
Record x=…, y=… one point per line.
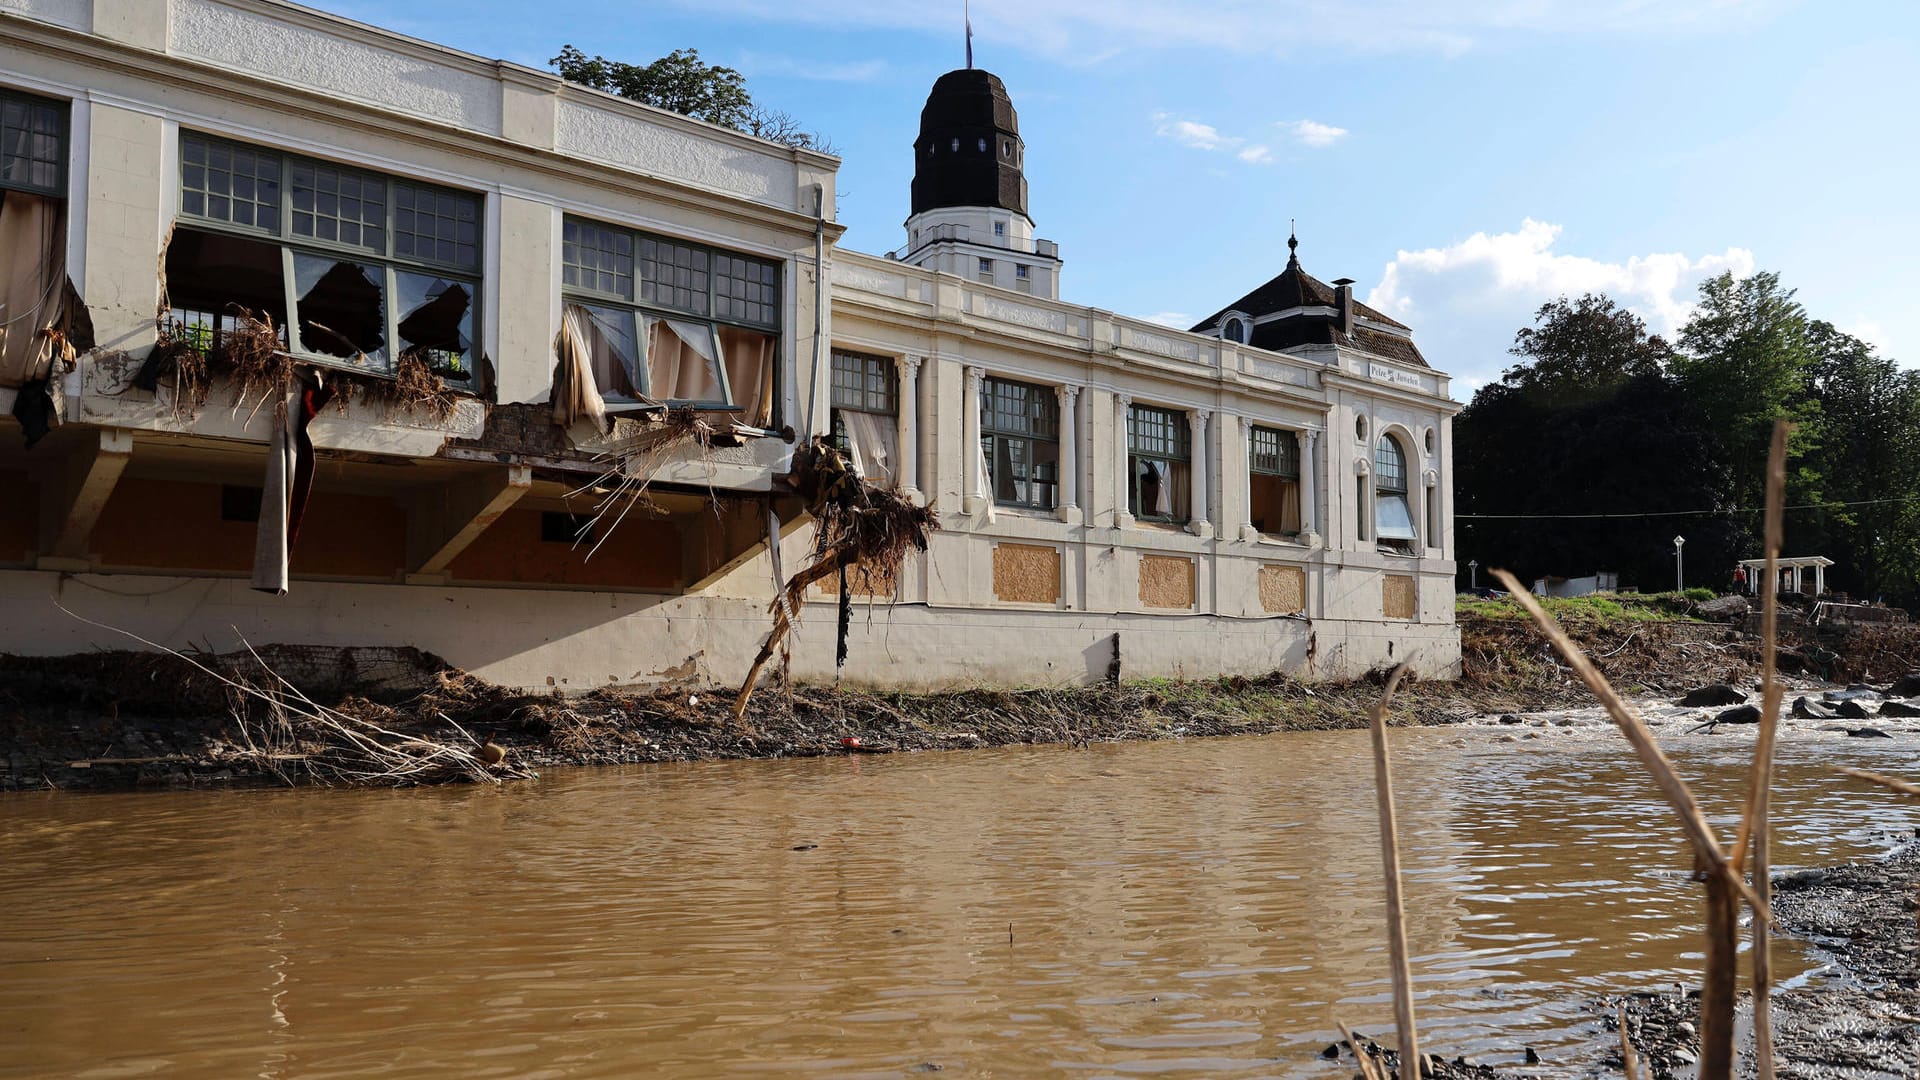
x=1235, y=330
x=999, y=228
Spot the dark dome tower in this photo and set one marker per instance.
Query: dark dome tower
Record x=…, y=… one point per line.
x=970, y=190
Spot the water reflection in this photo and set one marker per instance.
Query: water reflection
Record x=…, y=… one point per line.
x=1204, y=908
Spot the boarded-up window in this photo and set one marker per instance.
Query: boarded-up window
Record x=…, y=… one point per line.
x=1399, y=599
x=1283, y=589
x=862, y=581
x=1166, y=581
x=1026, y=573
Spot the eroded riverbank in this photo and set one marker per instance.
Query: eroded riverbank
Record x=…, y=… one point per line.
x=136, y=719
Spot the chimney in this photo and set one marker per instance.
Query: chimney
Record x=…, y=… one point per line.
x=1343, y=304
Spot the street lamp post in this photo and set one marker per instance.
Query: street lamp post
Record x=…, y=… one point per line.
x=1679, y=567
x=1473, y=573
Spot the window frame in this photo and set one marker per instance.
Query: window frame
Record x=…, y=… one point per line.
x=1385, y=485
x=391, y=266
x=63, y=143
x=838, y=404
x=641, y=309
x=1043, y=429
x=1283, y=457
x=1179, y=452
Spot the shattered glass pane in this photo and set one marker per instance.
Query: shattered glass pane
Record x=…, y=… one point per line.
x=216, y=280
x=343, y=309
x=436, y=322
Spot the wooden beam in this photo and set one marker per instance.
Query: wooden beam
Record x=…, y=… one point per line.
x=75, y=489
x=438, y=530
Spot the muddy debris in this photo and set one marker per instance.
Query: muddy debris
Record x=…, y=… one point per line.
x=1853, y=1018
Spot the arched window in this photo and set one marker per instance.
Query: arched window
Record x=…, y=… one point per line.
x=1360, y=428
x=983, y=146
x=956, y=145
x=1392, y=516
x=1235, y=330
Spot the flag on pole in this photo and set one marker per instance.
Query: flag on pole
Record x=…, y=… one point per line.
x=969, y=12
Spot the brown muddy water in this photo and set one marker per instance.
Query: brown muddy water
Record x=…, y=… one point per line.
x=1177, y=909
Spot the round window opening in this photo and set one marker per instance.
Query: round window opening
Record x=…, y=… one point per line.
x=1360, y=428
x=1235, y=331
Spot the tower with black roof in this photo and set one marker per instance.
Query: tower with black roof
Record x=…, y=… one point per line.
x=970, y=189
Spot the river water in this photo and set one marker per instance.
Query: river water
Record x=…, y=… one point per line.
x=1203, y=908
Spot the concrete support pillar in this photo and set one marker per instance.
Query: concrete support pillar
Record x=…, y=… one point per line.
x=1122, y=406
x=971, y=501
x=1197, y=522
x=74, y=489
x=909, y=419
x=1819, y=580
x=443, y=523
x=1067, y=503
x=1310, y=488
x=1249, y=532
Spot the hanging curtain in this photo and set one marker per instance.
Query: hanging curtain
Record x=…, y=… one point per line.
x=984, y=489
x=749, y=362
x=870, y=438
x=32, y=284
x=682, y=364
x=575, y=397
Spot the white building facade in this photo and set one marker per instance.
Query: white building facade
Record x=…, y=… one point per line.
x=569, y=264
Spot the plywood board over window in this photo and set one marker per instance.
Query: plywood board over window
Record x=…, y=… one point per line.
x=1399, y=598
x=1166, y=581
x=1026, y=574
x=1283, y=589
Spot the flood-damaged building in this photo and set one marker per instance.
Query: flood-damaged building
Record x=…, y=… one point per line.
x=315, y=333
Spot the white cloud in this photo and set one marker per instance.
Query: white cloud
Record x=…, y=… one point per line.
x=1871, y=332
x=1312, y=132
x=1465, y=301
x=1179, y=320
x=1085, y=31
x=1198, y=136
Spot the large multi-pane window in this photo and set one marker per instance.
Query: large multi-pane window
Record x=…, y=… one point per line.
x=1159, y=460
x=1393, y=518
x=33, y=144
x=354, y=267
x=1273, y=463
x=864, y=410
x=1020, y=438
x=662, y=320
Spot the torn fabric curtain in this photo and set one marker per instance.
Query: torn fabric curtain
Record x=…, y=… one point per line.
x=575, y=397
x=288, y=483
x=870, y=440
x=33, y=284
x=749, y=357
x=682, y=362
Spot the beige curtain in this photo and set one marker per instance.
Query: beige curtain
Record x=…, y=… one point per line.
x=871, y=439
x=574, y=396
x=33, y=273
x=749, y=360
x=681, y=363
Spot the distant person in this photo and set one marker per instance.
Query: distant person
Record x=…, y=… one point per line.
x=1740, y=580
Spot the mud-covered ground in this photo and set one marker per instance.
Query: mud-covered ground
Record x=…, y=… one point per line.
x=105, y=720
x=1857, y=1018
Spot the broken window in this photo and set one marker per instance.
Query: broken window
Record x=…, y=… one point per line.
x=1393, y=519
x=1273, y=465
x=864, y=411
x=1159, y=464
x=708, y=320
x=35, y=307
x=366, y=267
x=1020, y=436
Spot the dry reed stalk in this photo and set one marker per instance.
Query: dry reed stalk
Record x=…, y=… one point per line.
x=1724, y=885
x=1885, y=781
x=1369, y=1068
x=1755, y=821
x=1409, y=1035
x=1629, y=1061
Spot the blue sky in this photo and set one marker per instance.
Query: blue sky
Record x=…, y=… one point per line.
x=1462, y=160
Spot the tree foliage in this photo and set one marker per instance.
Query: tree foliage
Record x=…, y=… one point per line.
x=682, y=82
x=1600, y=417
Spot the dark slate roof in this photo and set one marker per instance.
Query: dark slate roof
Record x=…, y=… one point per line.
x=967, y=108
x=1295, y=288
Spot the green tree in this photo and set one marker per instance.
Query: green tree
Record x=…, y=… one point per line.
x=1745, y=359
x=681, y=82
x=1590, y=423
x=1869, y=455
